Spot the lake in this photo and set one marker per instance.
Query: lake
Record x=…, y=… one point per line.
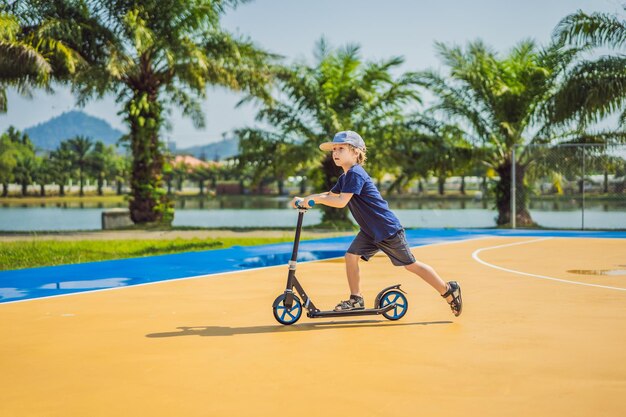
x=273, y=212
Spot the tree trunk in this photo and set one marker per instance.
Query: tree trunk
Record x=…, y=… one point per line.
x=463, y=185
x=606, y=183
x=62, y=190
x=441, y=182
x=42, y=190
x=303, y=186
x=331, y=174
x=24, y=188
x=201, y=185
x=148, y=201
x=281, y=186
x=503, y=195
x=119, y=187
x=82, y=180
x=100, y=185
x=396, y=185
x=5, y=189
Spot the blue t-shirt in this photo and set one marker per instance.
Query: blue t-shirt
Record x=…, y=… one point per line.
x=367, y=206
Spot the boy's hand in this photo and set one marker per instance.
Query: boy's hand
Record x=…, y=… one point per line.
x=293, y=202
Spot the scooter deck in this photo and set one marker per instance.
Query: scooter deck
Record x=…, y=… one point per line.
x=362, y=312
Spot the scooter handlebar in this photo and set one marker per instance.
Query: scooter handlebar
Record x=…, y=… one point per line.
x=311, y=203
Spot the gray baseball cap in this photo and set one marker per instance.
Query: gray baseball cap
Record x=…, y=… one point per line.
x=347, y=137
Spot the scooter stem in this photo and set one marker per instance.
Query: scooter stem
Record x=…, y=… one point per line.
x=296, y=240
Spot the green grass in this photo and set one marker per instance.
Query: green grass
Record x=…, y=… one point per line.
x=28, y=254
x=68, y=199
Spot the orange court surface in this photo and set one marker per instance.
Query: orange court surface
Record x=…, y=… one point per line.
x=543, y=333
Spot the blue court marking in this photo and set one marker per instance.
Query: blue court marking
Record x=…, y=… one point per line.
x=23, y=284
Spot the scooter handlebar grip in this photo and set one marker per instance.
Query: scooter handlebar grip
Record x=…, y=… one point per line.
x=311, y=203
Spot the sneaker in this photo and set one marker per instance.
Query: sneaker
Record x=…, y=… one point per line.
x=354, y=303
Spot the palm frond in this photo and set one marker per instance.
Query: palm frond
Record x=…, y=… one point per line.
x=593, y=90
x=595, y=30
x=187, y=104
x=20, y=60
x=9, y=27
x=458, y=103
x=237, y=63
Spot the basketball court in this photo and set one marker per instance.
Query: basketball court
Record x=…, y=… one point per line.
x=543, y=333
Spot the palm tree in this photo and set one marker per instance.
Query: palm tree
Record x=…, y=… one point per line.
x=20, y=63
x=501, y=103
x=180, y=172
x=9, y=152
x=443, y=151
x=43, y=174
x=203, y=173
x=20, y=155
x=122, y=166
x=80, y=147
x=594, y=88
x=101, y=164
x=157, y=55
x=61, y=165
x=37, y=46
x=269, y=156
x=423, y=146
x=25, y=170
x=339, y=92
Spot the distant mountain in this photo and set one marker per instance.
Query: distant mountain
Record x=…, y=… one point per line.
x=215, y=151
x=49, y=134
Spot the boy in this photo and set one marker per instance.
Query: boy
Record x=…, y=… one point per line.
x=380, y=228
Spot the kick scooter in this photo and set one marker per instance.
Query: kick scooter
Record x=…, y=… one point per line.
x=287, y=307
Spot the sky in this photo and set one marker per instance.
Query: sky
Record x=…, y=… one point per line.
x=406, y=28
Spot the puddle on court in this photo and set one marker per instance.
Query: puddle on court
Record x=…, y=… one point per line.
x=283, y=258
x=87, y=285
x=605, y=272
x=6, y=293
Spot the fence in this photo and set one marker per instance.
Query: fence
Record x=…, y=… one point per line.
x=584, y=185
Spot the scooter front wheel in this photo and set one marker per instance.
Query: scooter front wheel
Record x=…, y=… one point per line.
x=285, y=315
x=402, y=305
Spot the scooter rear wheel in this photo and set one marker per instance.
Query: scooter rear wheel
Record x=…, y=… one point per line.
x=285, y=315
x=402, y=304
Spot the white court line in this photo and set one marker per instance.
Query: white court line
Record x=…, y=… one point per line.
x=565, y=281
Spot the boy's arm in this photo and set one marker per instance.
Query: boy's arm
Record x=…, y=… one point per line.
x=331, y=199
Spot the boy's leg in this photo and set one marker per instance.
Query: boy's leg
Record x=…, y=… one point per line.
x=352, y=271
x=355, y=302
x=361, y=247
x=428, y=274
x=399, y=252
x=450, y=291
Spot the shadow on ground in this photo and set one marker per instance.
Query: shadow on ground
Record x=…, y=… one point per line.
x=232, y=331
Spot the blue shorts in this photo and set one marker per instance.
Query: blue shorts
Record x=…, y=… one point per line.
x=395, y=247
